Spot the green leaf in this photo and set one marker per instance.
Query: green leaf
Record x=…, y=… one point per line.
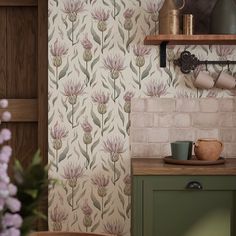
x=121, y=116
x=95, y=61
x=32, y=192
x=64, y=70
x=108, y=117
x=84, y=71
x=121, y=34
x=95, y=226
x=121, y=48
x=108, y=34
x=95, y=119
x=51, y=35
x=133, y=68
x=121, y=198
x=85, y=154
x=146, y=71
x=121, y=131
x=108, y=199
x=94, y=145
x=96, y=203
x=130, y=40
x=95, y=36
x=63, y=155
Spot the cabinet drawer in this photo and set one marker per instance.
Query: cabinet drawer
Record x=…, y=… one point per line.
x=181, y=182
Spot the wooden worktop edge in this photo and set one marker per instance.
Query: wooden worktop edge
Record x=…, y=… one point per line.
x=156, y=166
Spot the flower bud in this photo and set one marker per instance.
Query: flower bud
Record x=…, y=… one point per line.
x=128, y=25
x=140, y=61
x=87, y=55
x=87, y=138
x=87, y=221
x=57, y=61
x=102, y=26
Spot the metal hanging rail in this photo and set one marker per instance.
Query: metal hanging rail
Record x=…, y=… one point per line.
x=188, y=62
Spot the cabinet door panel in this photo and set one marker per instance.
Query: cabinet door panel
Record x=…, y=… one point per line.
x=183, y=213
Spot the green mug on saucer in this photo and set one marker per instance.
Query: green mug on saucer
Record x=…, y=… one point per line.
x=181, y=150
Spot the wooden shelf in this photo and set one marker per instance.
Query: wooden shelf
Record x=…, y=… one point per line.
x=181, y=39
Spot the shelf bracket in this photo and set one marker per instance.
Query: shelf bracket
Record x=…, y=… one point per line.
x=163, y=53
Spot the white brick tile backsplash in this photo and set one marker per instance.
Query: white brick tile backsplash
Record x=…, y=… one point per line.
x=160, y=105
x=158, y=135
x=227, y=104
x=205, y=120
x=156, y=122
x=182, y=120
x=187, y=105
x=138, y=105
x=142, y=119
x=209, y=105
x=178, y=134
x=207, y=133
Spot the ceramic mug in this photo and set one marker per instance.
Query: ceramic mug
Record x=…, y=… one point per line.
x=204, y=80
x=181, y=150
x=225, y=80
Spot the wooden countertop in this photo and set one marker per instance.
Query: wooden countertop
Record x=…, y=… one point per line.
x=156, y=166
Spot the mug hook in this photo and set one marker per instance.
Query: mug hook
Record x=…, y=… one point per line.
x=183, y=5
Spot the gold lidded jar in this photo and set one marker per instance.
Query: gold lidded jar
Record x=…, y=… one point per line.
x=208, y=149
x=169, y=17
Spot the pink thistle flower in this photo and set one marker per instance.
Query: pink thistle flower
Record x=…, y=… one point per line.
x=87, y=210
x=58, y=216
x=100, y=14
x=100, y=97
x=128, y=95
x=152, y=7
x=127, y=179
x=114, y=146
x=114, y=228
x=155, y=89
x=58, y=49
x=100, y=180
x=128, y=13
x=114, y=63
x=224, y=50
x=141, y=50
x=58, y=132
x=72, y=90
x=72, y=173
x=86, y=43
x=73, y=6
x=86, y=126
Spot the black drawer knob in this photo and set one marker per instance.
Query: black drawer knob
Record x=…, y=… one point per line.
x=194, y=185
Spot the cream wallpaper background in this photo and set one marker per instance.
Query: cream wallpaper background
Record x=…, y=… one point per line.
x=97, y=64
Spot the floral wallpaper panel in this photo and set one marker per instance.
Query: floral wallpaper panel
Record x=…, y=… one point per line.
x=97, y=64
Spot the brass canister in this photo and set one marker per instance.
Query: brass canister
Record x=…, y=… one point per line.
x=188, y=22
x=169, y=23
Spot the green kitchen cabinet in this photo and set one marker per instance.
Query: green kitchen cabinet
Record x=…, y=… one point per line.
x=186, y=201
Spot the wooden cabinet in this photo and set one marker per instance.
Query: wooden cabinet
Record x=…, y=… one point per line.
x=174, y=200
